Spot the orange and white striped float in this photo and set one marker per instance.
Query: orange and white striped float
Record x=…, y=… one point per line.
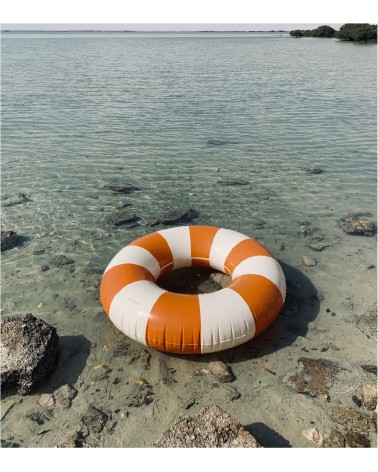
x=193, y=324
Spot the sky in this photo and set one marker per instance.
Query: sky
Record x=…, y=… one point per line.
x=164, y=26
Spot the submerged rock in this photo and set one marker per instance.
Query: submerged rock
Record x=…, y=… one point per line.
x=312, y=434
x=334, y=439
x=9, y=239
x=318, y=246
x=314, y=376
x=61, y=260
x=211, y=427
x=314, y=170
x=28, y=350
x=309, y=261
x=353, y=224
x=232, y=183
x=94, y=419
x=15, y=199
x=216, y=142
x=352, y=420
x=371, y=369
x=122, y=217
x=369, y=396
x=184, y=215
x=357, y=440
x=367, y=323
x=64, y=396
x=221, y=371
x=126, y=188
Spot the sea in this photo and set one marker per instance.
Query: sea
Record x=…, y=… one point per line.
x=269, y=135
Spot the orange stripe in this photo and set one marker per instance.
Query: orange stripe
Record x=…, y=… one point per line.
x=262, y=296
x=174, y=324
x=243, y=250
x=157, y=245
x=201, y=240
x=118, y=277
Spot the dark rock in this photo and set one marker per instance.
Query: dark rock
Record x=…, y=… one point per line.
x=36, y=416
x=318, y=246
x=352, y=420
x=94, y=419
x=64, y=395
x=314, y=170
x=211, y=427
x=5, y=443
x=185, y=215
x=314, y=376
x=221, y=371
x=353, y=224
x=357, y=440
x=367, y=323
x=372, y=369
x=15, y=199
x=61, y=260
x=9, y=239
x=334, y=439
x=122, y=217
x=232, y=183
x=216, y=142
x=127, y=188
x=357, y=401
x=44, y=268
x=28, y=350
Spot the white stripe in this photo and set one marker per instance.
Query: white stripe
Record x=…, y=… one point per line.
x=226, y=320
x=263, y=265
x=131, y=308
x=224, y=241
x=136, y=255
x=178, y=240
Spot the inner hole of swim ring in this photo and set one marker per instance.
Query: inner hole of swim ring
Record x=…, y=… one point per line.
x=191, y=280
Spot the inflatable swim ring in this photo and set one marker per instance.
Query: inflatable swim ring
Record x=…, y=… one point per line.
x=193, y=324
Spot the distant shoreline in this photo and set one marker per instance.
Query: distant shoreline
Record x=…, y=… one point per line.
x=137, y=31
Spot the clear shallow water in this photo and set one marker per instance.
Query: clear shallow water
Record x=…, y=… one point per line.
x=82, y=110
x=174, y=114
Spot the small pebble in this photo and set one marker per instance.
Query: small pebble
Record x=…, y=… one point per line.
x=309, y=261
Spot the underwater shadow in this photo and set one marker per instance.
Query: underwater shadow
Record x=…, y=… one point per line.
x=70, y=363
x=266, y=436
x=301, y=307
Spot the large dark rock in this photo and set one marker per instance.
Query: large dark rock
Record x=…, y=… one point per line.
x=232, y=183
x=211, y=427
x=314, y=376
x=15, y=199
x=353, y=420
x=125, y=188
x=358, y=225
x=28, y=349
x=9, y=239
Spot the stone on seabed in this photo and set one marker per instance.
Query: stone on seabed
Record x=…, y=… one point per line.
x=28, y=350
x=211, y=427
x=369, y=396
x=221, y=371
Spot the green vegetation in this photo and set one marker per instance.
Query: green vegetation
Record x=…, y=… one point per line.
x=348, y=32
x=296, y=33
x=358, y=32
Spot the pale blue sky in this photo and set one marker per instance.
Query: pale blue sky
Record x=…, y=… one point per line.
x=164, y=26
